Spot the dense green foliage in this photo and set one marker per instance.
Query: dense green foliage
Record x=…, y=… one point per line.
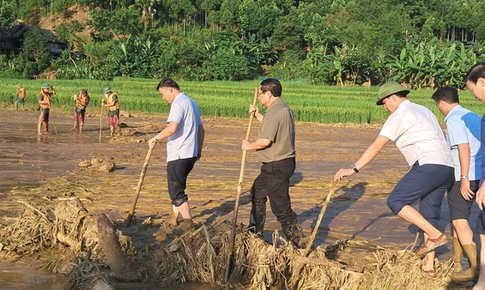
x=310, y=103
x=332, y=42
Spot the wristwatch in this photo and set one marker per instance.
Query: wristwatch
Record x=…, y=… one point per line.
x=463, y=176
x=354, y=168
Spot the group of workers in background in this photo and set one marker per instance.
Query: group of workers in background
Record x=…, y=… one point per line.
x=47, y=91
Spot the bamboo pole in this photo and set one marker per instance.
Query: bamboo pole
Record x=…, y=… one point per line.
x=52, y=119
x=333, y=188
x=299, y=267
x=100, y=121
x=238, y=194
x=138, y=188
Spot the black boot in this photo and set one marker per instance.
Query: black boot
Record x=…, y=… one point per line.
x=293, y=232
x=257, y=217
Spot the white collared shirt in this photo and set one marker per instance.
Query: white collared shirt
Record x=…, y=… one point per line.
x=417, y=134
x=183, y=143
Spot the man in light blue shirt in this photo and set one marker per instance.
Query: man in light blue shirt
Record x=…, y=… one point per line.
x=185, y=137
x=463, y=137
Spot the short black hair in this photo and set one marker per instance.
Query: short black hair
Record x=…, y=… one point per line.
x=446, y=94
x=272, y=85
x=168, y=83
x=477, y=71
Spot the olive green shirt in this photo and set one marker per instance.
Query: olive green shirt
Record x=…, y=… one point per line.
x=278, y=126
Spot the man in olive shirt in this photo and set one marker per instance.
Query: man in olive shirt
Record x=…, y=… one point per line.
x=275, y=147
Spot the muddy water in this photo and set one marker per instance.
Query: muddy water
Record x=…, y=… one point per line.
x=358, y=209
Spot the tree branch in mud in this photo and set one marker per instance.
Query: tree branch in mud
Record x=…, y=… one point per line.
x=121, y=266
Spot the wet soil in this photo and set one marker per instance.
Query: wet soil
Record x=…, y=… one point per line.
x=46, y=167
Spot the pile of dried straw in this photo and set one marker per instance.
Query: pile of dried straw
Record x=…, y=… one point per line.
x=201, y=255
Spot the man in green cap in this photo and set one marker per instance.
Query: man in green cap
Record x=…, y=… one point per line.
x=44, y=99
x=112, y=102
x=21, y=97
x=418, y=135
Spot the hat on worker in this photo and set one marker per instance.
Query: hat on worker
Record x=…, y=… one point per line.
x=45, y=86
x=107, y=90
x=388, y=89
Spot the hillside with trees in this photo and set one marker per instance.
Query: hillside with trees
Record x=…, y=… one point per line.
x=416, y=42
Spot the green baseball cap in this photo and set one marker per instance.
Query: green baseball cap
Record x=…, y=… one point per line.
x=387, y=90
x=45, y=86
x=107, y=90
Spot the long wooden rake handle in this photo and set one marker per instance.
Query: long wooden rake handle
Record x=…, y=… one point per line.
x=333, y=189
x=138, y=188
x=100, y=121
x=52, y=119
x=238, y=195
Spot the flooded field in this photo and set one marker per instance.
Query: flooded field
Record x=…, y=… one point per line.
x=46, y=167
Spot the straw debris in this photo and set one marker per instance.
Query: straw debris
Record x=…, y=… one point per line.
x=201, y=255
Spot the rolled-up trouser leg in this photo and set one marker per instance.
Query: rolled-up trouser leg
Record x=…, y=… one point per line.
x=177, y=172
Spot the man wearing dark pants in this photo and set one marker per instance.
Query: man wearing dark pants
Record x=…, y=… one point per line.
x=475, y=81
x=463, y=137
x=418, y=135
x=275, y=148
x=185, y=137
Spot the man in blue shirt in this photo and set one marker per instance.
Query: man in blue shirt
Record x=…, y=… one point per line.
x=463, y=137
x=185, y=136
x=475, y=81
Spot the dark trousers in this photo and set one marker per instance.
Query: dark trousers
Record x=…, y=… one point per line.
x=428, y=183
x=177, y=172
x=274, y=182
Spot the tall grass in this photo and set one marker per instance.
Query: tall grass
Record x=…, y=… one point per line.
x=310, y=103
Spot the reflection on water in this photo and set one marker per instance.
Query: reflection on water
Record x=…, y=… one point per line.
x=22, y=276
x=30, y=135
x=152, y=286
x=27, y=275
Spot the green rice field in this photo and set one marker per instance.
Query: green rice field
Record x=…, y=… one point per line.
x=310, y=103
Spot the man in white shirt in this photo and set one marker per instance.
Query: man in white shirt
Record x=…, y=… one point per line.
x=185, y=137
x=417, y=134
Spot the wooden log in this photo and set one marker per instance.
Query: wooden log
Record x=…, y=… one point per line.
x=121, y=266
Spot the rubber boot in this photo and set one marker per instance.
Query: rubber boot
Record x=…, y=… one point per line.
x=46, y=128
x=186, y=225
x=293, y=232
x=81, y=127
x=174, y=219
x=16, y=106
x=111, y=131
x=39, y=127
x=257, y=217
x=75, y=127
x=457, y=254
x=472, y=272
x=118, y=131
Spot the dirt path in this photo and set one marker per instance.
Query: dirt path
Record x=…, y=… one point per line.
x=45, y=167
